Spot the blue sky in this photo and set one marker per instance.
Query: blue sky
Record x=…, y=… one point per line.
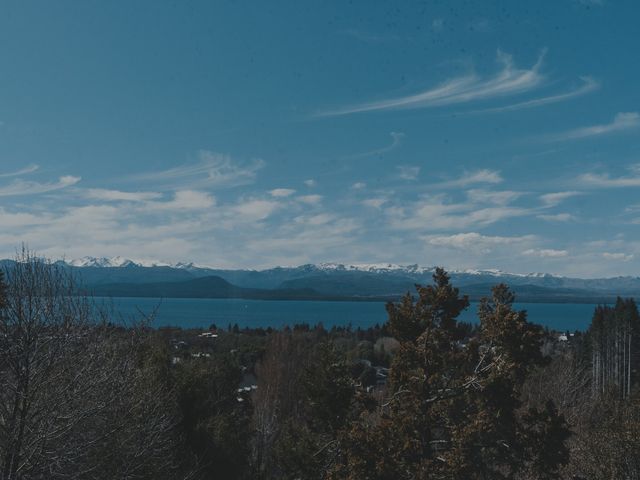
x=252, y=134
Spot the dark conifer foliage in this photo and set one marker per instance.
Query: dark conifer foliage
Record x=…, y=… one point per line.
x=453, y=408
x=423, y=396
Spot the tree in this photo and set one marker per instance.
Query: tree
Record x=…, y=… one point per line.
x=75, y=402
x=3, y=292
x=609, y=445
x=306, y=445
x=215, y=420
x=327, y=389
x=279, y=398
x=545, y=435
x=614, y=347
x=453, y=408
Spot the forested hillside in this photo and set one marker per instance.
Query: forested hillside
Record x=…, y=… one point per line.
x=423, y=396
x=123, y=277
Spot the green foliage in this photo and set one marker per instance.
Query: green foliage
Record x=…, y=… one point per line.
x=298, y=453
x=437, y=307
x=461, y=402
x=328, y=389
x=215, y=425
x=452, y=411
x=545, y=438
x=306, y=446
x=3, y=291
x=368, y=377
x=518, y=341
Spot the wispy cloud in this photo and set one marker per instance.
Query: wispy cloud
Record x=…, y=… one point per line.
x=558, y=217
x=256, y=209
x=212, y=169
x=314, y=220
x=321, y=237
x=118, y=195
x=281, y=192
x=21, y=187
x=183, y=200
x=408, y=172
x=618, y=256
x=22, y=219
x=310, y=199
x=396, y=141
x=434, y=213
x=588, y=85
x=471, y=178
x=510, y=80
x=23, y=171
x=546, y=253
x=500, y=197
x=375, y=202
x=621, y=122
x=555, y=198
x=604, y=180
x=475, y=240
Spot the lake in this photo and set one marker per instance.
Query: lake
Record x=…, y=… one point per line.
x=202, y=312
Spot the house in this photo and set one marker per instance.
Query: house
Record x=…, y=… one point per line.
x=208, y=335
x=200, y=355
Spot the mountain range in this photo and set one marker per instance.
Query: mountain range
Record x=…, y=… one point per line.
x=119, y=276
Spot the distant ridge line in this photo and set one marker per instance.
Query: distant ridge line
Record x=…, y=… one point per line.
x=119, y=262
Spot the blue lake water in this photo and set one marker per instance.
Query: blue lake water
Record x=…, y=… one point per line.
x=201, y=313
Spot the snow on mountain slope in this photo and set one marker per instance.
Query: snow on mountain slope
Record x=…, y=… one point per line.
x=102, y=262
x=380, y=268
x=373, y=267
x=417, y=270
x=119, y=269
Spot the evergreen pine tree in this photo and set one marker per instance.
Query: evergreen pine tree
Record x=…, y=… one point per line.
x=453, y=408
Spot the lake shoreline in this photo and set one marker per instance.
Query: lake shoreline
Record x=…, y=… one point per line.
x=202, y=313
x=603, y=300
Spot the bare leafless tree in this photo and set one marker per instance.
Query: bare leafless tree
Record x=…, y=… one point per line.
x=566, y=381
x=76, y=400
x=277, y=398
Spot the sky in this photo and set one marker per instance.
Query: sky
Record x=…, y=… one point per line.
x=234, y=134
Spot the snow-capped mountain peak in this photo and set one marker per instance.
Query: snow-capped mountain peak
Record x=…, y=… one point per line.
x=415, y=269
x=373, y=268
x=376, y=268
x=110, y=262
x=100, y=262
x=398, y=277
x=121, y=262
